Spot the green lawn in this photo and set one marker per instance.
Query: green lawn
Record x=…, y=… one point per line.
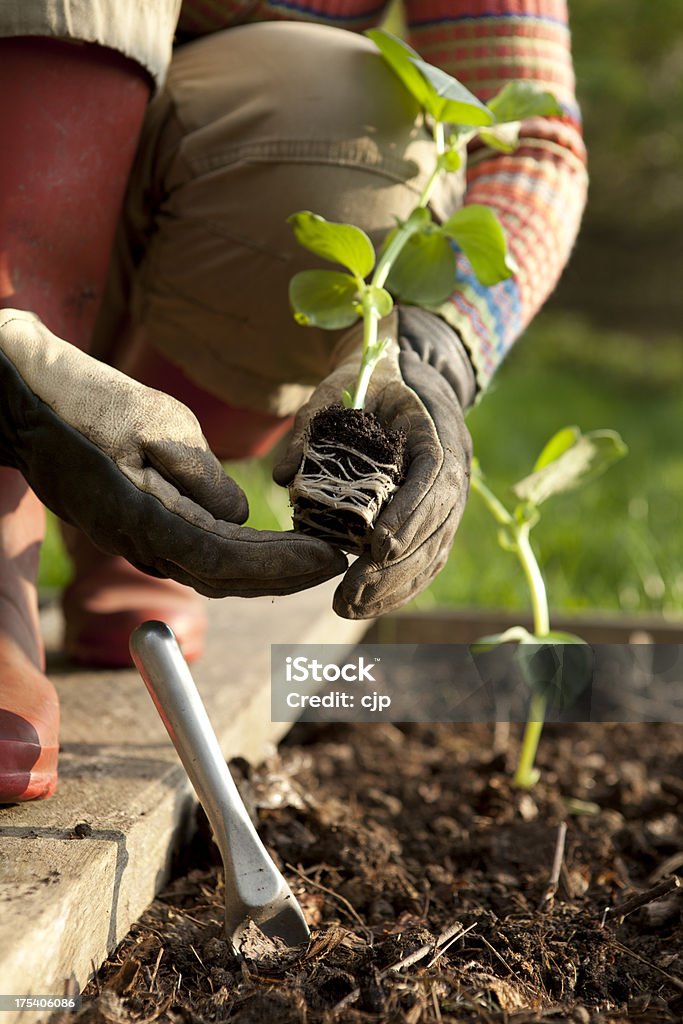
x=616, y=545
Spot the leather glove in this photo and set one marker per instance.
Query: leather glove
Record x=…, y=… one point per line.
x=130, y=466
x=422, y=385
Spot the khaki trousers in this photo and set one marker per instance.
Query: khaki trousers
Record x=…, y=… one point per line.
x=139, y=29
x=252, y=125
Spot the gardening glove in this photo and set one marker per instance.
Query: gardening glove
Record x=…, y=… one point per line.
x=131, y=468
x=422, y=385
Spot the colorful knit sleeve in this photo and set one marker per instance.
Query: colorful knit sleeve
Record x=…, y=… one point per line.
x=539, y=191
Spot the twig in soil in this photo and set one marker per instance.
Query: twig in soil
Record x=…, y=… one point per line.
x=641, y=899
x=155, y=971
x=446, y=940
x=95, y=976
x=203, y=965
x=497, y=955
x=667, y=867
x=554, y=879
x=671, y=978
x=177, y=982
x=335, y=895
x=443, y=942
x=435, y=1001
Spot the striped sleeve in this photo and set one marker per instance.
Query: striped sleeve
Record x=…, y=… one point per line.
x=539, y=191
x=201, y=17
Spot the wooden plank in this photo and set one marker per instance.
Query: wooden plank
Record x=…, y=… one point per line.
x=467, y=625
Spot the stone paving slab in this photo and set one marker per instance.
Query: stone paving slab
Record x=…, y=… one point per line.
x=66, y=901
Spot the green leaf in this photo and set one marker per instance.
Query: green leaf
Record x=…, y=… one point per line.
x=515, y=634
x=450, y=161
x=450, y=101
x=589, y=456
x=578, y=807
x=556, y=446
x=424, y=271
x=398, y=56
x=381, y=300
x=521, y=99
x=324, y=298
x=557, y=673
x=339, y=243
x=347, y=399
x=420, y=218
x=504, y=137
x=478, y=232
x=514, y=102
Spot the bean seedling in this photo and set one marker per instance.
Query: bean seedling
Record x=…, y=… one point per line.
x=416, y=264
x=569, y=460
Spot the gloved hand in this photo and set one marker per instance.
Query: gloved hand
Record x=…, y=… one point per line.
x=423, y=384
x=131, y=467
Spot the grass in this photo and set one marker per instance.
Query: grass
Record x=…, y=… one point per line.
x=616, y=545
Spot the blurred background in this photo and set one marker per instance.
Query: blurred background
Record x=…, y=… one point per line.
x=607, y=351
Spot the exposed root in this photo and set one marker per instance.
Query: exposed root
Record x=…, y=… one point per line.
x=338, y=493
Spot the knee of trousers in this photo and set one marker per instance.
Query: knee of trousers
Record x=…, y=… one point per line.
x=275, y=118
x=141, y=31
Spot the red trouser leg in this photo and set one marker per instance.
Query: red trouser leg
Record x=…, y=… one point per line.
x=108, y=597
x=71, y=116
x=232, y=433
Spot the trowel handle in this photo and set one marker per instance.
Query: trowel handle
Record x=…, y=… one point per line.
x=165, y=673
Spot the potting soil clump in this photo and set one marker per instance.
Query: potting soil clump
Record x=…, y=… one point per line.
x=350, y=468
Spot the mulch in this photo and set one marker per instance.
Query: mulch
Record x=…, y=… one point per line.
x=434, y=890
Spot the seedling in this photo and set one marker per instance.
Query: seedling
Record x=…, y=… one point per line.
x=569, y=460
x=416, y=264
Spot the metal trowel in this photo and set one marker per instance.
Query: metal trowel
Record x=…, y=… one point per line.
x=255, y=890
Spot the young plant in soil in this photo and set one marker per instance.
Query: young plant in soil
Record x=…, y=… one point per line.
x=569, y=460
x=351, y=464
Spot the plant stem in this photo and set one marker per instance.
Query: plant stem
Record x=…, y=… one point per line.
x=526, y=775
x=440, y=143
x=371, y=352
x=370, y=319
x=519, y=535
x=495, y=507
x=539, y=599
x=392, y=251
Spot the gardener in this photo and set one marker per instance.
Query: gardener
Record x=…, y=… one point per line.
x=252, y=124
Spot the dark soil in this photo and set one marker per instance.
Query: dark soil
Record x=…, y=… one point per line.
x=361, y=430
x=392, y=837
x=347, y=428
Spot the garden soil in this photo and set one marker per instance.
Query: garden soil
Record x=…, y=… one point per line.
x=428, y=884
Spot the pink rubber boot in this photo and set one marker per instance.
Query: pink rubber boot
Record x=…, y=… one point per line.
x=72, y=115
